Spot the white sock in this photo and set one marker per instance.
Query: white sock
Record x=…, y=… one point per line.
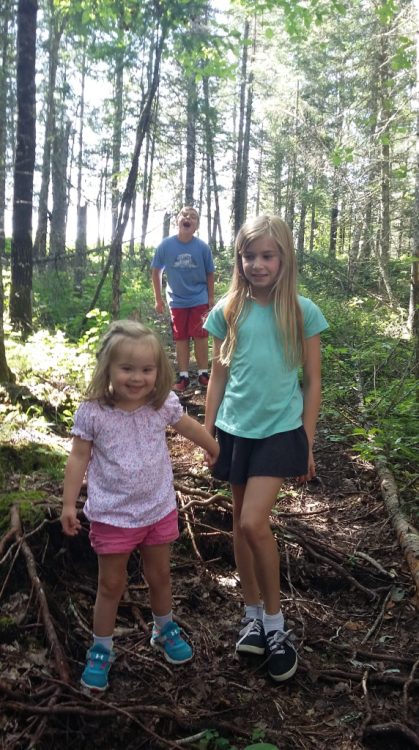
x=161, y=620
x=106, y=641
x=184, y=374
x=273, y=622
x=200, y=372
x=253, y=611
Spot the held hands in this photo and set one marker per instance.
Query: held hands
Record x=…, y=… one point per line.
x=69, y=521
x=210, y=457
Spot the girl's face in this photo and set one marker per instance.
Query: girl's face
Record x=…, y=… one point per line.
x=133, y=374
x=261, y=264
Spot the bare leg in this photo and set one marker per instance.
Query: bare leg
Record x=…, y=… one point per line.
x=112, y=580
x=254, y=527
x=182, y=355
x=242, y=552
x=201, y=353
x=156, y=561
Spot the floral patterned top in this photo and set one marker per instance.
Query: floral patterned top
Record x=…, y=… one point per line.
x=129, y=476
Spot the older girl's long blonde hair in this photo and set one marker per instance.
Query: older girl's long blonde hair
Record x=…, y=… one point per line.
x=100, y=388
x=284, y=293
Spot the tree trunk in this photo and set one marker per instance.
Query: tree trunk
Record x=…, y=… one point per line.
x=21, y=283
x=301, y=235
x=81, y=237
x=148, y=175
x=334, y=213
x=117, y=132
x=5, y=46
x=55, y=33
x=191, y=116
x=313, y=224
x=239, y=187
x=59, y=191
x=81, y=246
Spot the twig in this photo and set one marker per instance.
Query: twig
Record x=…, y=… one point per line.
x=378, y=618
x=189, y=528
x=213, y=500
x=374, y=563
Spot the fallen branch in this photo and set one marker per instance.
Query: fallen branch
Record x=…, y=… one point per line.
x=406, y=535
x=59, y=657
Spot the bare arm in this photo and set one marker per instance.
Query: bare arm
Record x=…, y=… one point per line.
x=210, y=285
x=156, y=278
x=216, y=387
x=77, y=463
x=312, y=396
x=194, y=431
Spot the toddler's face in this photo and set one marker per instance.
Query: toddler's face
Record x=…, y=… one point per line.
x=133, y=374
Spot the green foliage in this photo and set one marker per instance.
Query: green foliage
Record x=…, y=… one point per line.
x=370, y=393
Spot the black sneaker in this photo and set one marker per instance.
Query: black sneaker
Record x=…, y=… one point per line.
x=281, y=655
x=252, y=638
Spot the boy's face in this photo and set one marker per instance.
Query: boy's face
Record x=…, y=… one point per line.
x=187, y=221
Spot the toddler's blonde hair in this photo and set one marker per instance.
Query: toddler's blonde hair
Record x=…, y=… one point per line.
x=100, y=389
x=284, y=293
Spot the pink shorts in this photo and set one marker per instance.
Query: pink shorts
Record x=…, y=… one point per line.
x=187, y=322
x=112, y=540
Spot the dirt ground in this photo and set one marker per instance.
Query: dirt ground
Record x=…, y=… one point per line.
x=347, y=595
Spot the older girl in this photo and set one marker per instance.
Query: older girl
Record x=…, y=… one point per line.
x=264, y=423
x=119, y=437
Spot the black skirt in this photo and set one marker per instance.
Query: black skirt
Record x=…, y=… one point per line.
x=284, y=454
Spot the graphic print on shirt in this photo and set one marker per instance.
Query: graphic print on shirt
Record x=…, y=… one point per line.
x=185, y=260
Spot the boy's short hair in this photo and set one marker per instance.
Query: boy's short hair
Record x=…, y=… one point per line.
x=188, y=209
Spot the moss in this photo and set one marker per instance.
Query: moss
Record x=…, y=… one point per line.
x=28, y=458
x=30, y=503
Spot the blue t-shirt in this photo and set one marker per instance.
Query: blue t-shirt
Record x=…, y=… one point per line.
x=186, y=265
x=262, y=394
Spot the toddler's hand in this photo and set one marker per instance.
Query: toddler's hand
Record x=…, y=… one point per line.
x=211, y=458
x=69, y=522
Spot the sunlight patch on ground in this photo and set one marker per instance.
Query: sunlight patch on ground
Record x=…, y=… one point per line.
x=228, y=581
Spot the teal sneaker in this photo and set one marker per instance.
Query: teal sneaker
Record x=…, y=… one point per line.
x=98, y=664
x=169, y=641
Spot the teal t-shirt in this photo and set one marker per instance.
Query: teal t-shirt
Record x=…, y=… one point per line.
x=262, y=394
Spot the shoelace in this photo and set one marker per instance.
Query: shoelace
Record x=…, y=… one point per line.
x=277, y=640
x=254, y=626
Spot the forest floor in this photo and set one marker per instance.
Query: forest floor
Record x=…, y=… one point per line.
x=347, y=595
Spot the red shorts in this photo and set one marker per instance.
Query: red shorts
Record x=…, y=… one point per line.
x=113, y=540
x=187, y=322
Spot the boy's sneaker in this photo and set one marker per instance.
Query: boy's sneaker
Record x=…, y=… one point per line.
x=203, y=379
x=169, y=641
x=98, y=664
x=281, y=655
x=182, y=383
x=251, y=638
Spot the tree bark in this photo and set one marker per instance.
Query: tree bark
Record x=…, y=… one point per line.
x=5, y=46
x=55, y=34
x=21, y=283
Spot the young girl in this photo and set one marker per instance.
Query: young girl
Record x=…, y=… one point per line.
x=119, y=437
x=265, y=425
